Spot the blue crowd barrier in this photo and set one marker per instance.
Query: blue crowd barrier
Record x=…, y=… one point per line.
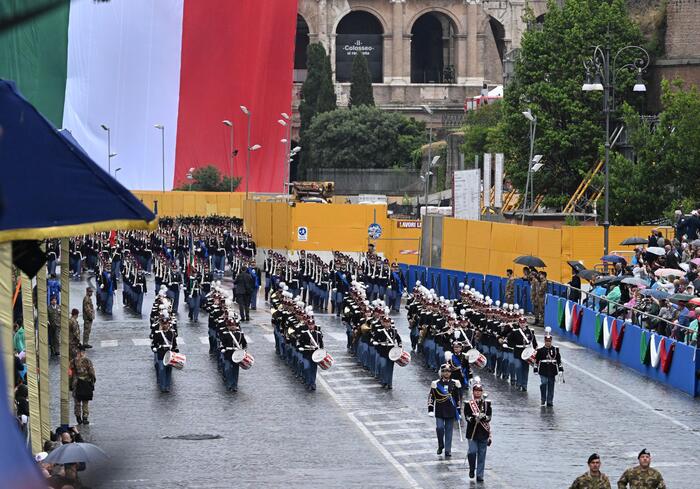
x=446, y=283
x=684, y=371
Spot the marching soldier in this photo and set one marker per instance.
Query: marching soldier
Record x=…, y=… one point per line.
x=310, y=339
x=519, y=339
x=642, y=476
x=594, y=478
x=477, y=412
x=54, y=326
x=88, y=316
x=232, y=339
x=548, y=364
x=445, y=403
x=384, y=339
x=458, y=363
x=83, y=385
x=163, y=341
x=74, y=330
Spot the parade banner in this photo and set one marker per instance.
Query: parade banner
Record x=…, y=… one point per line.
x=487, y=180
x=350, y=45
x=184, y=65
x=467, y=194
x=498, y=181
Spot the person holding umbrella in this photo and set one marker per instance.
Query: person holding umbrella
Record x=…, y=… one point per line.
x=71, y=455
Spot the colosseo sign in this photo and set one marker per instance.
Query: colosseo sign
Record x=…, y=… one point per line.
x=347, y=46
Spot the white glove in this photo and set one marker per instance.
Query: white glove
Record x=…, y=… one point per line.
x=431, y=414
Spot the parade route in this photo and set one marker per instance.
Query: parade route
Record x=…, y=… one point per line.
x=352, y=433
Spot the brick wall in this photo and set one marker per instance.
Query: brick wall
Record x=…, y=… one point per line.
x=682, y=37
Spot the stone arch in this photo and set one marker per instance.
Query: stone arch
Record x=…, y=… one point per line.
x=433, y=48
x=455, y=21
x=498, y=31
x=359, y=32
x=301, y=43
x=369, y=10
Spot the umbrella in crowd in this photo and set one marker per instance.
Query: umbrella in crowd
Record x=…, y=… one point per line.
x=612, y=258
x=576, y=265
x=607, y=280
x=669, y=272
x=695, y=301
x=529, y=261
x=696, y=243
x=695, y=261
x=656, y=293
x=72, y=453
x=634, y=240
x=636, y=282
x=589, y=275
x=656, y=250
x=681, y=297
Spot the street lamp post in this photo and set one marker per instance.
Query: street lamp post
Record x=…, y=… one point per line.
x=161, y=128
x=288, y=124
x=428, y=111
x=601, y=76
x=533, y=129
x=110, y=155
x=245, y=110
x=229, y=124
x=115, y=172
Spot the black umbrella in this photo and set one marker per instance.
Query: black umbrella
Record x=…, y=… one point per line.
x=529, y=261
x=680, y=297
x=72, y=453
x=608, y=280
x=634, y=240
x=576, y=265
x=589, y=275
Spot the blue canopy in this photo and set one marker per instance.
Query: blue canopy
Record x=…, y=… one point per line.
x=17, y=468
x=49, y=186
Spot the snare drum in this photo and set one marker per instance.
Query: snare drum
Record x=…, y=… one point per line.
x=529, y=354
x=399, y=356
x=323, y=359
x=476, y=357
x=172, y=359
x=244, y=359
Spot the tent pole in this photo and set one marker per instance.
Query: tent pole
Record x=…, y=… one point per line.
x=31, y=359
x=6, y=320
x=65, y=314
x=43, y=350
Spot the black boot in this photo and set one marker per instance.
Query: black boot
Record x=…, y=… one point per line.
x=472, y=464
x=85, y=420
x=79, y=419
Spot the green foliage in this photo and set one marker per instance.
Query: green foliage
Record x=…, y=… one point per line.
x=360, y=83
x=209, y=179
x=481, y=131
x=665, y=174
x=363, y=137
x=317, y=93
x=548, y=78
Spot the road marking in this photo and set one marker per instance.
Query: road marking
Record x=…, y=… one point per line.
x=269, y=337
x=423, y=451
x=204, y=340
x=434, y=462
x=393, y=421
x=372, y=439
x=141, y=342
x=373, y=412
x=338, y=336
x=632, y=397
x=348, y=379
x=409, y=441
x=398, y=431
x=181, y=340
x=109, y=343
x=357, y=387
x=349, y=366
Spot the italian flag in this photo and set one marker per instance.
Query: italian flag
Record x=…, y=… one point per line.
x=184, y=65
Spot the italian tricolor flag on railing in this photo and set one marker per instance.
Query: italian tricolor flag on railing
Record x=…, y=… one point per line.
x=186, y=65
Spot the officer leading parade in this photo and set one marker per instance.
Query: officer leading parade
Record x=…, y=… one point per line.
x=349, y=244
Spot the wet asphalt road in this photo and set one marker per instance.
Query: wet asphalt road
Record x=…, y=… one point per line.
x=350, y=432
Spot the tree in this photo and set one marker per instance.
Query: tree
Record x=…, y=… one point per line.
x=326, y=92
x=363, y=137
x=481, y=131
x=361, y=83
x=208, y=179
x=548, y=79
x=665, y=174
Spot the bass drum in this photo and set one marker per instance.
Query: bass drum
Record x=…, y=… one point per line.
x=529, y=354
x=323, y=359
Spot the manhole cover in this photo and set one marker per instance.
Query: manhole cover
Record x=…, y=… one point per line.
x=194, y=437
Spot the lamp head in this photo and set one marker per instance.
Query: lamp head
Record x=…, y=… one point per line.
x=597, y=85
x=255, y=147
x=536, y=159
x=104, y=126
x=227, y=123
x=427, y=109
x=244, y=109
x=282, y=122
x=283, y=141
x=159, y=126
x=436, y=158
x=296, y=149
x=285, y=115
x=528, y=115
x=639, y=85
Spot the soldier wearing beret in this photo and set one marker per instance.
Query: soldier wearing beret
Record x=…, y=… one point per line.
x=594, y=478
x=642, y=476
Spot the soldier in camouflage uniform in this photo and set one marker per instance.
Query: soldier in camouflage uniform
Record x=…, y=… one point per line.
x=510, y=287
x=642, y=476
x=54, y=326
x=83, y=384
x=74, y=329
x=535, y=294
x=594, y=478
x=88, y=316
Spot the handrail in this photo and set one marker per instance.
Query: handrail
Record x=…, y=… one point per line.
x=643, y=313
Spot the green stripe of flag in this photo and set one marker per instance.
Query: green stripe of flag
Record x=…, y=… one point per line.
x=34, y=54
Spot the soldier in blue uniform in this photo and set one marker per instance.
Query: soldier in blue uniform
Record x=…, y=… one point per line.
x=445, y=403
